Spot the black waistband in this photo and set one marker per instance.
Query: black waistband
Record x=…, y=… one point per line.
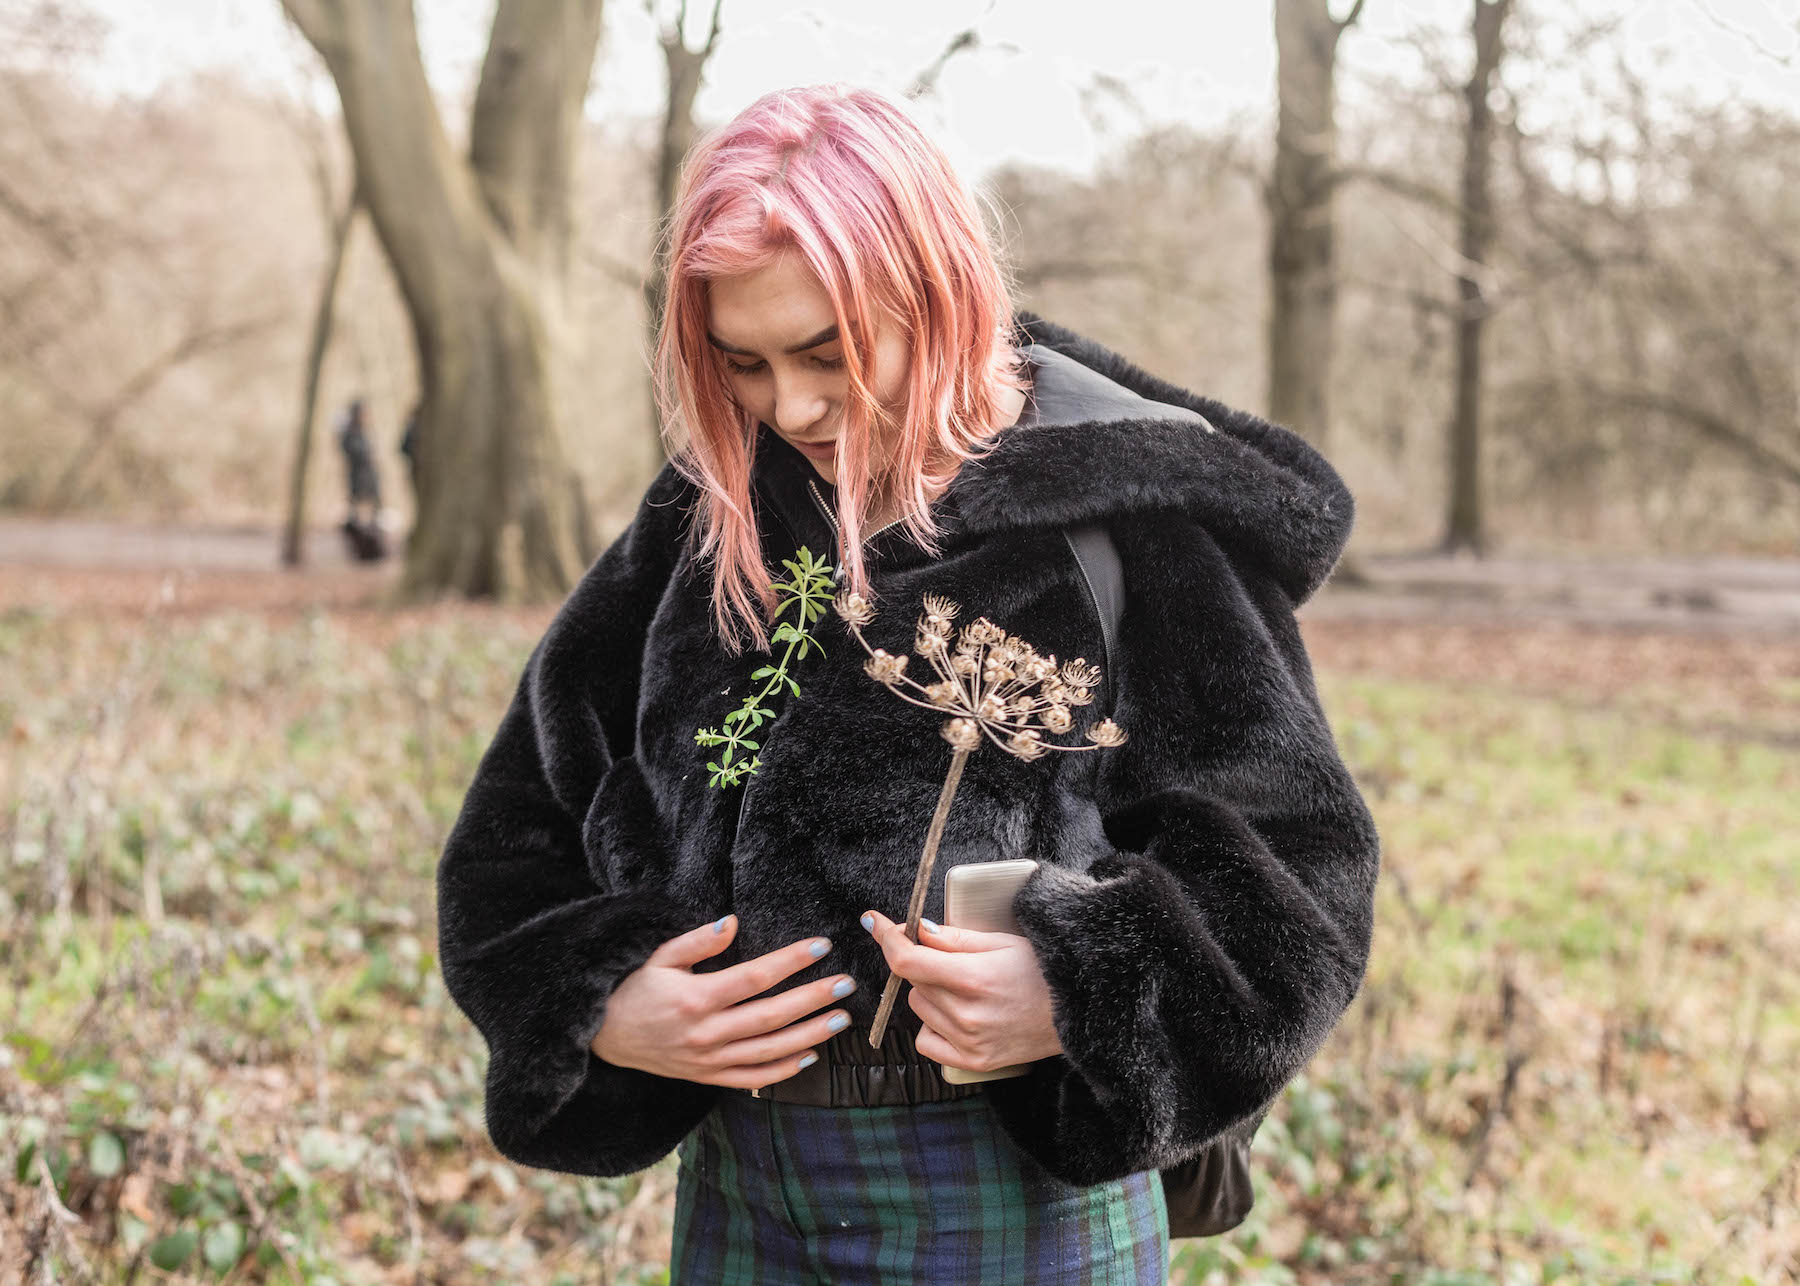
x=852, y=1073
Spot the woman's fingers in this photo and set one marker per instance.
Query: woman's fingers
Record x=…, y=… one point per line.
x=753, y=977
x=755, y=1077
x=754, y=1017
x=776, y=1045
x=685, y=950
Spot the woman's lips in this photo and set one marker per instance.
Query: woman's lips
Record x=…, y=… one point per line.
x=819, y=450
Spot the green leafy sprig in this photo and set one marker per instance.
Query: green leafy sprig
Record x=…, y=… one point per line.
x=809, y=587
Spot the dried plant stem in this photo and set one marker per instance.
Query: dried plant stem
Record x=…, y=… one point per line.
x=921, y=882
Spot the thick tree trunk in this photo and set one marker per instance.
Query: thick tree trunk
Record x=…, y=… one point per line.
x=478, y=249
x=1464, y=526
x=293, y=539
x=1302, y=276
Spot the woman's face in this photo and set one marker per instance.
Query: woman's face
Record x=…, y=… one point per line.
x=784, y=360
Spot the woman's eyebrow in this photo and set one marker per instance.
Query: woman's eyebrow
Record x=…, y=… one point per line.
x=823, y=337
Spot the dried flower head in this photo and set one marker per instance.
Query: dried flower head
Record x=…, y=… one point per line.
x=982, y=632
x=1106, y=733
x=998, y=685
x=938, y=605
x=1026, y=743
x=963, y=734
x=853, y=607
x=1079, y=673
x=884, y=667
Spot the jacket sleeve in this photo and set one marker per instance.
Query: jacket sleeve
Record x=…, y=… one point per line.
x=1196, y=967
x=541, y=911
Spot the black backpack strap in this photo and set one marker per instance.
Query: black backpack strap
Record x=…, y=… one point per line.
x=1212, y=1191
x=1099, y=563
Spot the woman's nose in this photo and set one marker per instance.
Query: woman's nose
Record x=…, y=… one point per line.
x=797, y=405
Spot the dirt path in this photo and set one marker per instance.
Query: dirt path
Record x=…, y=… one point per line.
x=1713, y=642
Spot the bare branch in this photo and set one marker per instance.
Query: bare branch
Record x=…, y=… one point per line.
x=1789, y=59
x=926, y=81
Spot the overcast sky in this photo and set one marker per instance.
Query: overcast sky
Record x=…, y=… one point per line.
x=1026, y=94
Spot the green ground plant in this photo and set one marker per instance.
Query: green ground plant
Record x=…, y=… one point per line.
x=227, y=1054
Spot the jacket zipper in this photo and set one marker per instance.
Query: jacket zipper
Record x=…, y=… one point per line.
x=831, y=518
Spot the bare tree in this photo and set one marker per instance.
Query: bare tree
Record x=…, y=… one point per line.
x=1464, y=528
x=686, y=69
x=480, y=249
x=1302, y=274
x=293, y=538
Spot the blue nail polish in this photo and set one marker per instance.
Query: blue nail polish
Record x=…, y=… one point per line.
x=843, y=988
x=838, y=1022
x=929, y=926
x=868, y=922
x=720, y=926
x=808, y=1060
x=819, y=947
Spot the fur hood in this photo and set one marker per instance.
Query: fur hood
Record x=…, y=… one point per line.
x=1203, y=902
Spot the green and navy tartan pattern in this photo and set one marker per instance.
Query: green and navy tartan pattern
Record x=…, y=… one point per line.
x=774, y=1193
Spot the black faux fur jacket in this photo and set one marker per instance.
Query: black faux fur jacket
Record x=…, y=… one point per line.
x=1202, y=906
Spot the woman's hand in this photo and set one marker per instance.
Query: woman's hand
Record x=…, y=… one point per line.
x=665, y=1018
x=981, y=996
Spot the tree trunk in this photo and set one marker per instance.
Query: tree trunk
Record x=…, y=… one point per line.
x=479, y=249
x=1465, y=525
x=293, y=541
x=1302, y=278
x=686, y=69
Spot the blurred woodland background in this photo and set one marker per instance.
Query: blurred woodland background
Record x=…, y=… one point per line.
x=1539, y=302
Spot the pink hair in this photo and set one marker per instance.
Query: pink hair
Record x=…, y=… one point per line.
x=847, y=179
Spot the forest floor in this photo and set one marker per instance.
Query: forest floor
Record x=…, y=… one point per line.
x=86, y=561
x=1722, y=632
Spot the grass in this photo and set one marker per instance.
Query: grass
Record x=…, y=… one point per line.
x=228, y=1054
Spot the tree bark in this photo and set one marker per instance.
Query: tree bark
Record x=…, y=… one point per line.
x=1302, y=278
x=1464, y=526
x=686, y=70
x=293, y=540
x=478, y=248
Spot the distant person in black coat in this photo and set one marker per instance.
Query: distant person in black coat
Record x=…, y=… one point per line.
x=362, y=526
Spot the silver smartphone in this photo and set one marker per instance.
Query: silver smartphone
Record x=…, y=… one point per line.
x=979, y=895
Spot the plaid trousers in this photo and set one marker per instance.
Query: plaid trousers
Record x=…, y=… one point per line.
x=773, y=1193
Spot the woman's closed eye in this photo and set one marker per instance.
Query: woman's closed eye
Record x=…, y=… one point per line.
x=823, y=363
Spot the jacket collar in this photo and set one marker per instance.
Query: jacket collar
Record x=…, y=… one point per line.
x=1100, y=438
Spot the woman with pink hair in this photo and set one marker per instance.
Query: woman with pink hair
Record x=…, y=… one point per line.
x=646, y=940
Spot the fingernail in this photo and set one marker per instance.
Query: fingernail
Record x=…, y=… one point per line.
x=838, y=1022
x=819, y=947
x=843, y=988
x=928, y=925
x=808, y=1060
x=720, y=926
x=868, y=922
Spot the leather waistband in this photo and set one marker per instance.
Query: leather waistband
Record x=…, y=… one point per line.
x=851, y=1073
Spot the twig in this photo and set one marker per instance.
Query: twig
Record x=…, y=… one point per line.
x=415, y=1237
x=921, y=882
x=1765, y=1199
x=259, y=1218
